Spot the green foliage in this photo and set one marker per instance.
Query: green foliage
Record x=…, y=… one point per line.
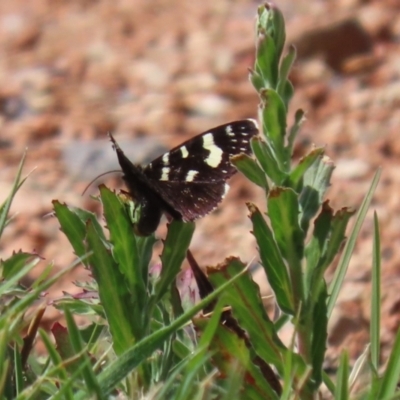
x=142, y=341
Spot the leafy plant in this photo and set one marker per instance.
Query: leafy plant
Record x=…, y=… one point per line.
x=143, y=340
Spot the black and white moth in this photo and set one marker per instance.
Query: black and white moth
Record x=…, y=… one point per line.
x=189, y=181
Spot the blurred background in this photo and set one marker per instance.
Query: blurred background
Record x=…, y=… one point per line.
x=155, y=73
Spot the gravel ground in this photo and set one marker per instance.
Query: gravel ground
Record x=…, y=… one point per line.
x=156, y=73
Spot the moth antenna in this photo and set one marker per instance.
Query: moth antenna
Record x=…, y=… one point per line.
x=97, y=177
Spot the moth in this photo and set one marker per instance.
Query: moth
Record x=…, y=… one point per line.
x=189, y=181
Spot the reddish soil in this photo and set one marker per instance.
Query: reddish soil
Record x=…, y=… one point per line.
x=71, y=71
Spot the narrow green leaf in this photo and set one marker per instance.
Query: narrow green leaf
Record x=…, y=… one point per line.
x=248, y=309
x=278, y=24
x=284, y=71
x=341, y=270
x=390, y=378
x=342, y=390
x=266, y=63
x=283, y=211
x=16, y=263
x=87, y=372
x=175, y=247
x=256, y=80
x=12, y=315
x=329, y=242
x=267, y=160
x=376, y=297
x=294, y=130
x=16, y=276
x=249, y=168
x=56, y=360
x=337, y=234
x=72, y=226
x=319, y=336
x=123, y=317
x=145, y=250
x=296, y=176
x=315, y=183
x=328, y=383
x=5, y=208
x=316, y=248
x=125, y=250
x=121, y=367
x=186, y=379
x=18, y=373
x=195, y=363
x=287, y=95
x=274, y=125
x=272, y=261
x=231, y=356
x=5, y=381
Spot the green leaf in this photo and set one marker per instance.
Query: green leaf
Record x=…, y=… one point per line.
x=319, y=335
x=316, y=181
x=267, y=160
x=264, y=64
x=16, y=263
x=274, y=125
x=376, y=297
x=328, y=237
x=145, y=250
x=123, y=316
x=284, y=71
x=391, y=375
x=256, y=79
x=316, y=248
x=272, y=261
x=342, y=390
x=5, y=207
x=72, y=226
x=283, y=211
x=18, y=373
x=175, y=246
x=278, y=24
x=231, y=356
x=60, y=372
x=196, y=363
x=88, y=374
x=340, y=272
x=16, y=276
x=297, y=174
x=248, y=167
x=248, y=309
x=294, y=130
x=125, y=251
x=121, y=367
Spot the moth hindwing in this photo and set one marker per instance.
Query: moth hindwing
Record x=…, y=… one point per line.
x=189, y=181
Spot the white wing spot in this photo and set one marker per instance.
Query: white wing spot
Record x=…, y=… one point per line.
x=184, y=152
x=233, y=140
x=243, y=148
x=226, y=190
x=165, y=158
x=215, y=156
x=165, y=173
x=191, y=175
x=229, y=131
